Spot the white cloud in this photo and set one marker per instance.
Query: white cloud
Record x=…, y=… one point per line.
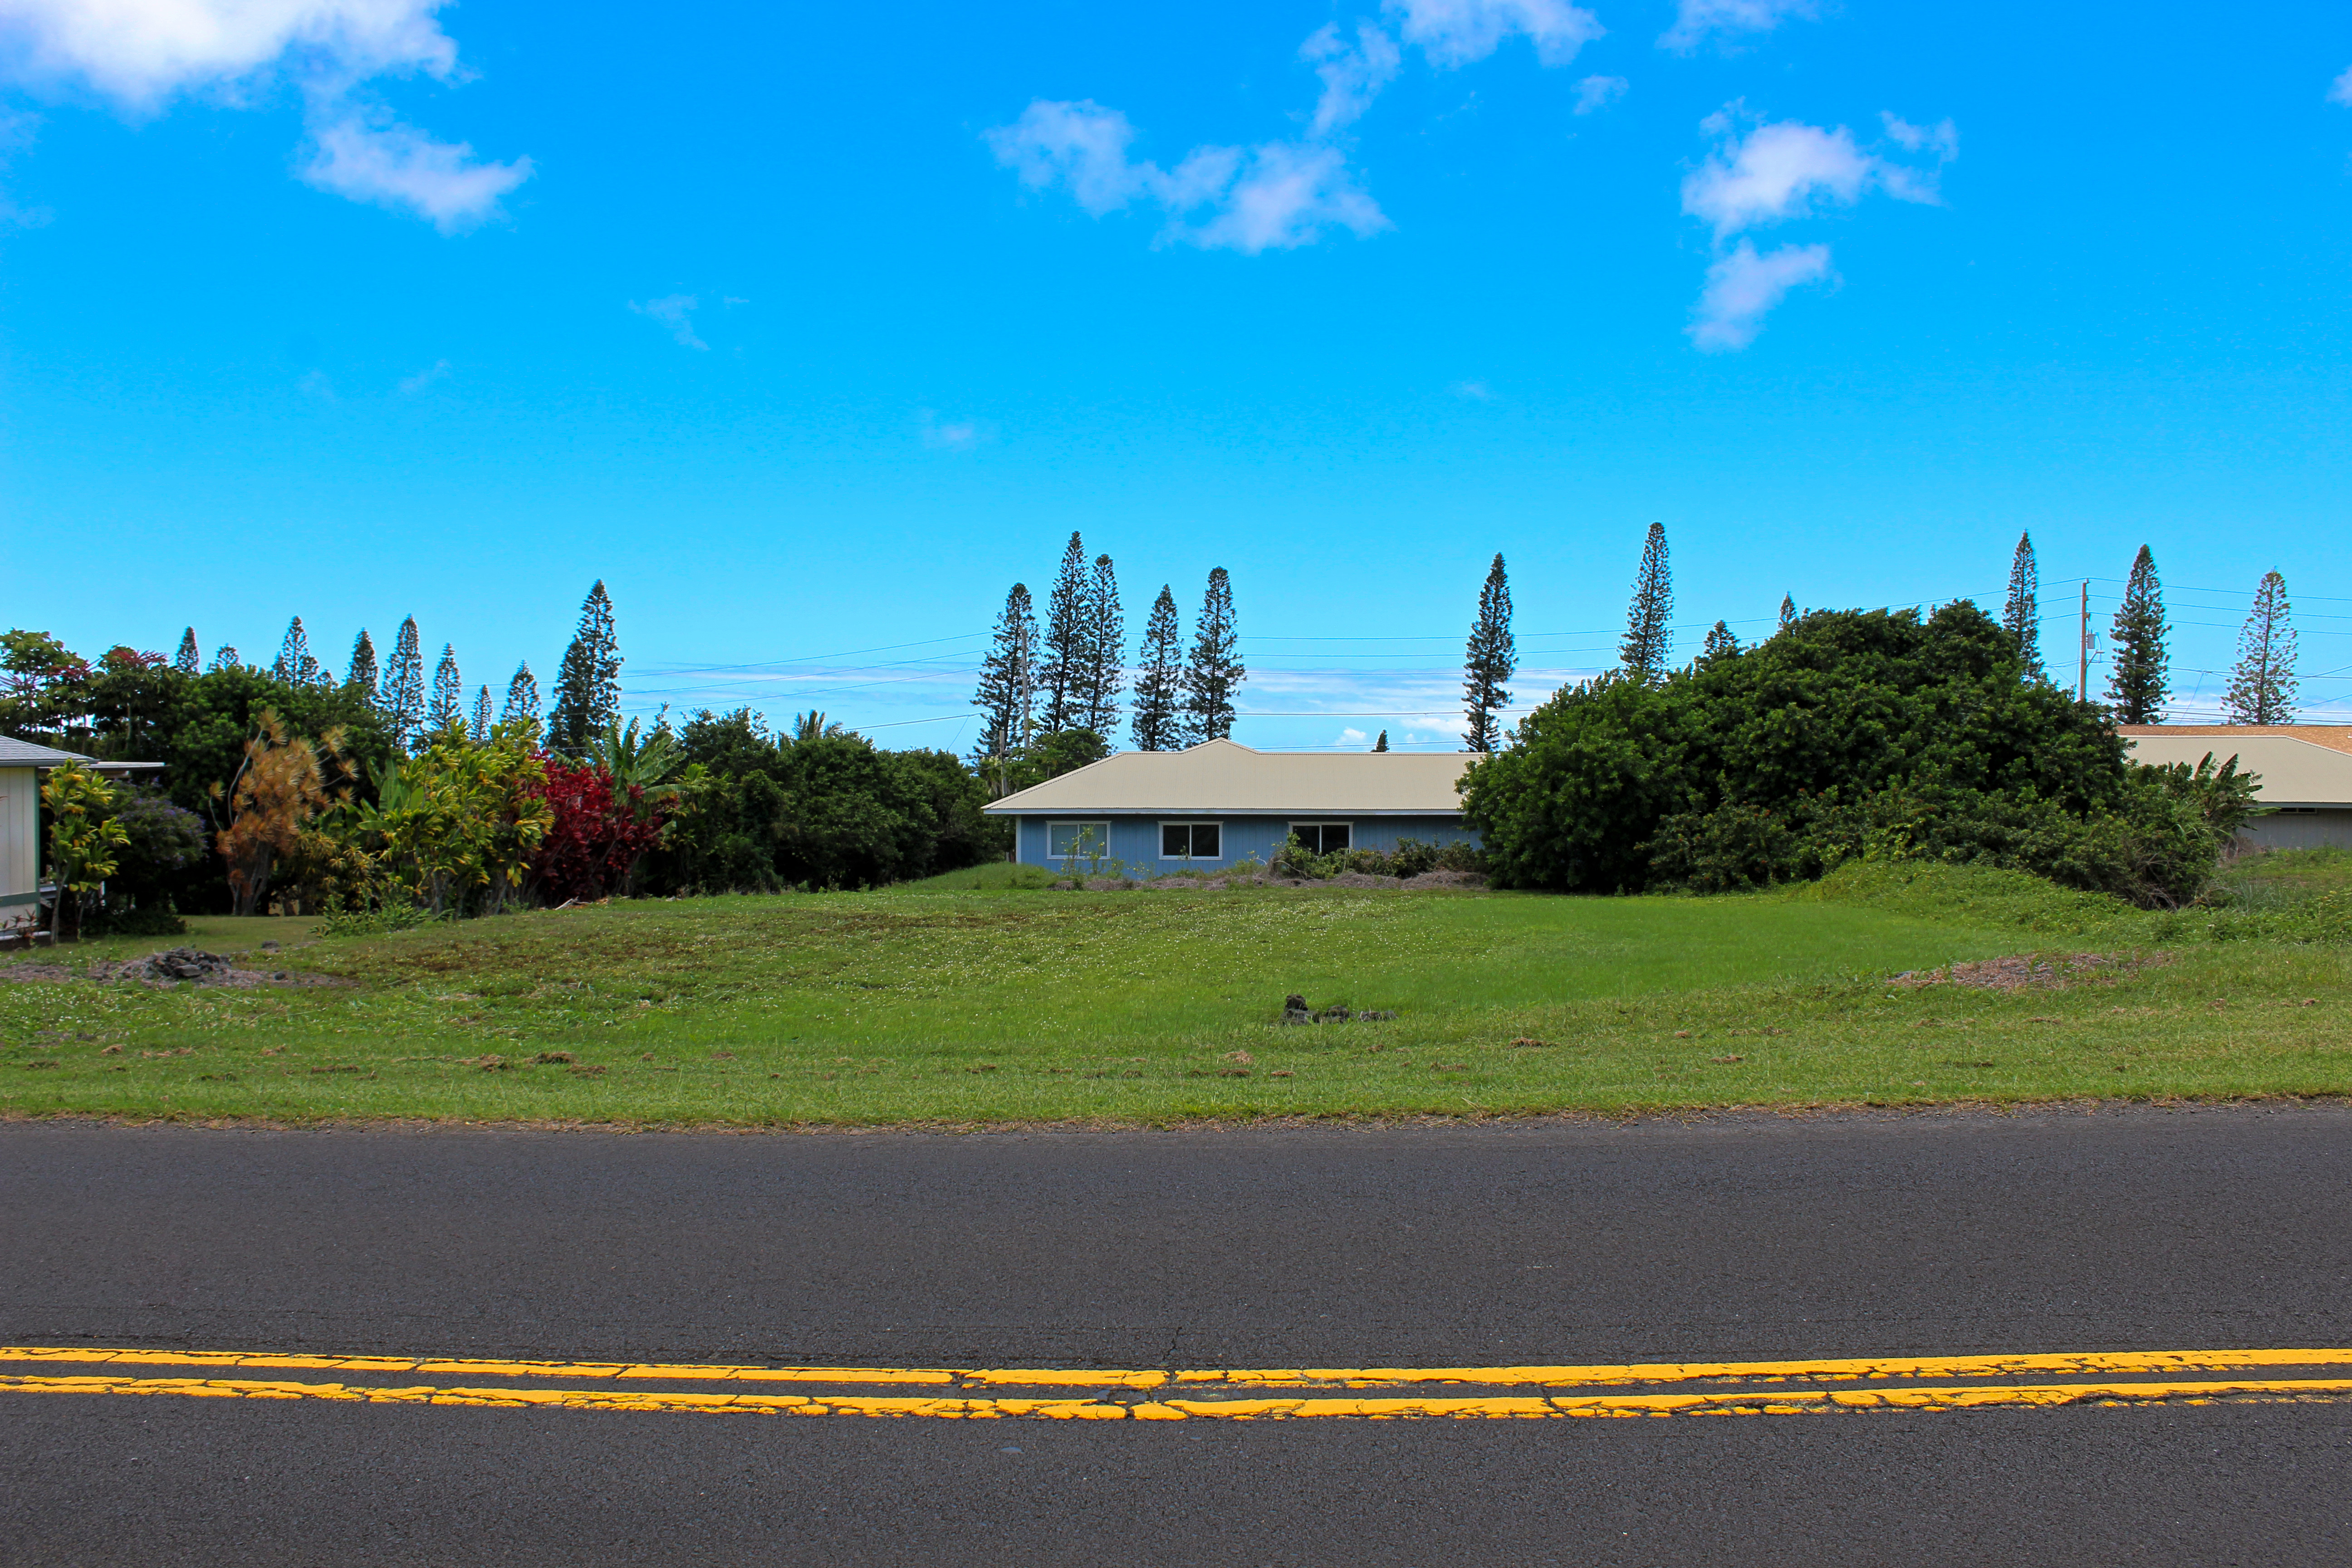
x=1350, y=738
x=1081, y=144
x=1943, y=138
x=1598, y=92
x=316, y=384
x=2340, y=89
x=370, y=158
x=1281, y=194
x=410, y=386
x=1780, y=170
x=953, y=435
x=1696, y=20
x=1743, y=286
x=675, y=311
x=1475, y=391
x=1275, y=195
x=1459, y=32
x=1353, y=74
x=139, y=54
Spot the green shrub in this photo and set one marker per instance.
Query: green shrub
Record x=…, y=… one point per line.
x=380, y=922
x=1973, y=894
x=1849, y=734
x=145, y=919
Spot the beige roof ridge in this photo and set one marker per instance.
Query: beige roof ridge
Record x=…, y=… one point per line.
x=2335, y=737
x=1223, y=777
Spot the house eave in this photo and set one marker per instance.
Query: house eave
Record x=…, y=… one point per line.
x=1011, y=807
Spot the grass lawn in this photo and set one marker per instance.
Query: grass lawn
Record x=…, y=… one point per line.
x=976, y=1004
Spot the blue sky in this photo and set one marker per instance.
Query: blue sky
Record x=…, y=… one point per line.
x=811, y=329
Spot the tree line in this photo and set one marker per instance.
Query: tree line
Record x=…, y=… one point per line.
x=1050, y=702
x=587, y=684
x=366, y=799
x=2262, y=690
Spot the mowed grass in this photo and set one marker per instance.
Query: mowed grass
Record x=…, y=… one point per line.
x=978, y=1006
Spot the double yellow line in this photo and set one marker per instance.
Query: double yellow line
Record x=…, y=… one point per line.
x=1505, y=1393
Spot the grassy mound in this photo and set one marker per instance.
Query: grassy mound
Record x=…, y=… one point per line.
x=1981, y=896
x=997, y=877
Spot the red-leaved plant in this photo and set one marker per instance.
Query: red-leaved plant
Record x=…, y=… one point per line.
x=596, y=838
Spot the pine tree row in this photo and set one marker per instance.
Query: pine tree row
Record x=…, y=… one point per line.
x=587, y=685
x=1058, y=694
x=2262, y=684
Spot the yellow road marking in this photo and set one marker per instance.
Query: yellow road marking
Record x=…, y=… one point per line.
x=1827, y=1369
x=1746, y=1402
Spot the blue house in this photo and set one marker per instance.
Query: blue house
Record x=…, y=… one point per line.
x=1204, y=808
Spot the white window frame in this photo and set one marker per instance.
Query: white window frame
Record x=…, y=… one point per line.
x=1101, y=852
x=1350, y=827
x=1191, y=823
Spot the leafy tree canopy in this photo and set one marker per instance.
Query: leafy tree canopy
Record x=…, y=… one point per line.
x=1849, y=733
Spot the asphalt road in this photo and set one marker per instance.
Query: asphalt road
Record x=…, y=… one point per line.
x=1732, y=1238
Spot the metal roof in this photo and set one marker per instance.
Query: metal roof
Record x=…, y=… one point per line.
x=2300, y=764
x=15, y=753
x=1225, y=778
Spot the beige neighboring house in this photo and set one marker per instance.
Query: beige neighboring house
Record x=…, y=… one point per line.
x=21, y=765
x=2305, y=771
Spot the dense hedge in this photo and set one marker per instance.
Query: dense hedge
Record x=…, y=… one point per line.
x=1849, y=733
x=757, y=812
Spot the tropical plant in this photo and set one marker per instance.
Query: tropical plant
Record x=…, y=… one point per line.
x=642, y=762
x=464, y=822
x=814, y=725
x=189, y=661
x=44, y=685
x=281, y=784
x=160, y=840
x=595, y=834
x=83, y=838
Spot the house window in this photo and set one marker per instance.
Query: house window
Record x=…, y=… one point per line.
x=1191, y=841
x=1078, y=840
x=1323, y=837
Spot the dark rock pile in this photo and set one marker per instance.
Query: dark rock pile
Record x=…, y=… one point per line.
x=1294, y=1010
x=178, y=964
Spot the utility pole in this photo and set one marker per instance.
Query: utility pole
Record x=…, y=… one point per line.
x=2083, y=680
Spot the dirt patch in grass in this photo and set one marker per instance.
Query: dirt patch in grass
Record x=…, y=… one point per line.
x=155, y=970
x=2024, y=971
